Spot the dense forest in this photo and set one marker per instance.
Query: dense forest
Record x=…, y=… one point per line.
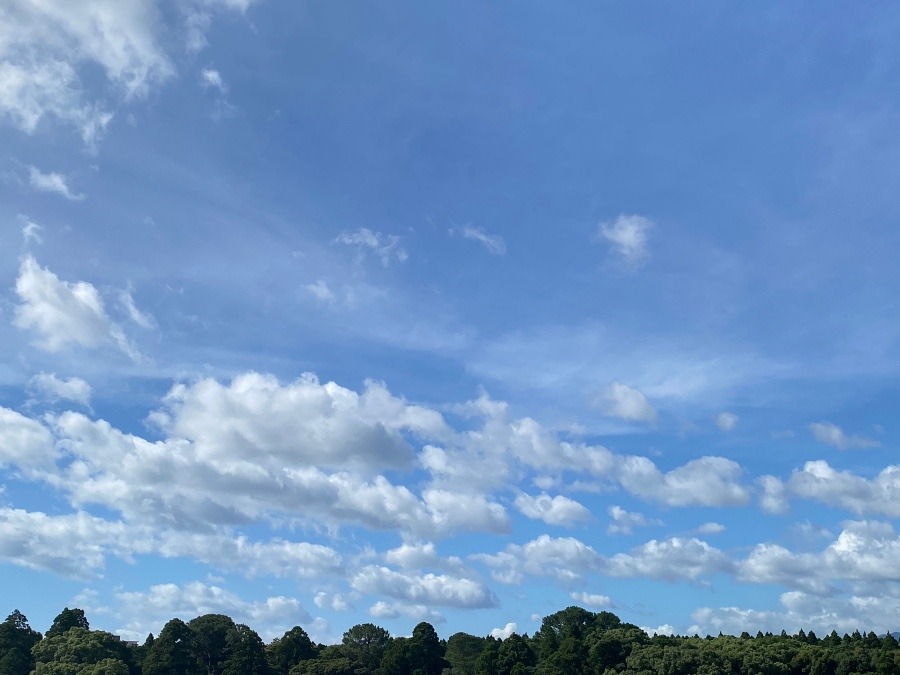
x=572, y=641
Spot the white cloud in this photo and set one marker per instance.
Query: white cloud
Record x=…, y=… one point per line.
x=558, y=510
x=505, y=632
x=212, y=78
x=726, y=421
x=148, y=611
x=594, y=600
x=435, y=590
x=707, y=481
x=337, y=602
x=71, y=545
x=320, y=291
x=818, y=481
x=492, y=242
x=672, y=559
x=624, y=522
x=52, y=182
x=31, y=231
x=833, y=435
x=620, y=400
x=664, y=629
x=24, y=442
x=63, y=313
x=566, y=559
x=142, y=319
x=416, y=612
x=710, y=528
x=774, y=497
x=386, y=247
x=52, y=389
x=627, y=235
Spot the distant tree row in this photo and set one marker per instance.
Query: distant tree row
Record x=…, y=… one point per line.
x=573, y=641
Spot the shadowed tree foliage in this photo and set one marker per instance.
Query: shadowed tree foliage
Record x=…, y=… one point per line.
x=79, y=651
x=66, y=620
x=246, y=653
x=17, y=639
x=211, y=641
x=364, y=644
x=462, y=653
x=289, y=650
x=172, y=653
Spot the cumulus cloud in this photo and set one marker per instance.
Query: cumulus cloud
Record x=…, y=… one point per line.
x=52, y=389
x=672, y=559
x=505, y=632
x=147, y=611
x=212, y=79
x=593, y=600
x=567, y=559
x=53, y=182
x=337, y=602
x=707, y=481
x=24, y=443
x=623, y=522
x=492, y=242
x=620, y=400
x=63, y=313
x=386, y=247
x=710, y=528
x=558, y=510
x=627, y=236
x=435, y=590
x=833, y=435
x=416, y=612
x=818, y=481
x=726, y=421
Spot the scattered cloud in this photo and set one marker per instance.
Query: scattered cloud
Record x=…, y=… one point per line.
x=505, y=632
x=52, y=389
x=620, y=400
x=623, y=522
x=52, y=182
x=833, y=435
x=63, y=313
x=672, y=559
x=320, y=291
x=494, y=243
x=211, y=78
x=433, y=590
x=31, y=231
x=386, y=247
x=727, y=421
x=592, y=600
x=627, y=236
x=558, y=510
x=710, y=528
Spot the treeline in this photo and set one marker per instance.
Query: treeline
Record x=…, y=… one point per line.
x=573, y=641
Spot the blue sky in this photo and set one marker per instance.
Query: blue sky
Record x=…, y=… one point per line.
x=326, y=313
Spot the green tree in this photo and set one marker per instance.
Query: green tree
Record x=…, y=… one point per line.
x=290, y=649
x=17, y=639
x=79, y=651
x=426, y=653
x=172, y=653
x=211, y=641
x=462, y=653
x=246, y=653
x=66, y=620
x=364, y=644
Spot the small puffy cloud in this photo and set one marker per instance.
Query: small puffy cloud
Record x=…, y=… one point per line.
x=620, y=400
x=623, y=522
x=710, y=528
x=672, y=559
x=664, y=629
x=593, y=600
x=567, y=559
x=31, y=231
x=52, y=182
x=63, y=313
x=212, y=78
x=24, y=442
x=386, y=247
x=726, y=421
x=436, y=590
x=558, y=510
x=416, y=612
x=52, y=389
x=320, y=290
x=774, y=497
x=833, y=435
x=412, y=556
x=147, y=611
x=819, y=481
x=337, y=602
x=707, y=481
x=627, y=236
x=505, y=632
x=492, y=242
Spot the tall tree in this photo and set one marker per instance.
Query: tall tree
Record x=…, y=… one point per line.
x=16, y=642
x=211, y=641
x=172, y=653
x=66, y=620
x=290, y=649
x=364, y=644
x=247, y=653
